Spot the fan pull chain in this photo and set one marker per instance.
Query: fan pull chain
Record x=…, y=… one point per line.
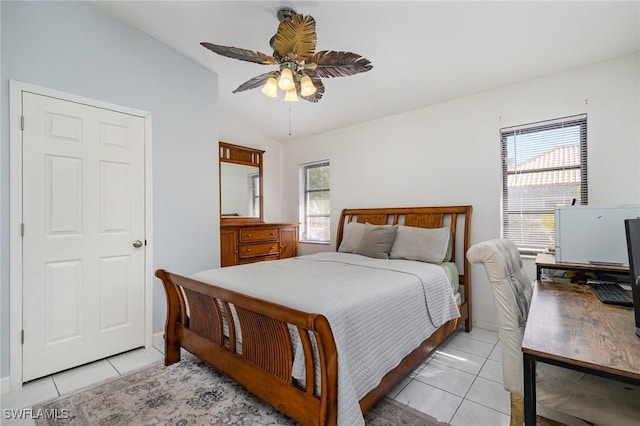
x=289, y=118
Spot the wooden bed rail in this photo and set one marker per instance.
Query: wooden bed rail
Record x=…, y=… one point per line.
x=249, y=340
x=253, y=341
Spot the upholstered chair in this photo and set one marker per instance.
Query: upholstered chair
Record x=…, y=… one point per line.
x=593, y=399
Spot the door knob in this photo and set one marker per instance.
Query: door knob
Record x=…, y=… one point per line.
x=137, y=243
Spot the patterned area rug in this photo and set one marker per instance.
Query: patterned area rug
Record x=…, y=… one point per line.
x=188, y=393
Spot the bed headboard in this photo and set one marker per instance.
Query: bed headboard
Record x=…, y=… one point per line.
x=457, y=218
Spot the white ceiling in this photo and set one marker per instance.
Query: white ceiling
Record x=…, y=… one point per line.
x=423, y=52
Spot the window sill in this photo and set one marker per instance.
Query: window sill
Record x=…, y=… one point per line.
x=532, y=254
x=322, y=243
x=528, y=255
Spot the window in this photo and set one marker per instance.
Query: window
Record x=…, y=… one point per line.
x=254, y=196
x=314, y=209
x=544, y=165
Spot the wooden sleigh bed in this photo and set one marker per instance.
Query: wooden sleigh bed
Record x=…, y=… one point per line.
x=250, y=339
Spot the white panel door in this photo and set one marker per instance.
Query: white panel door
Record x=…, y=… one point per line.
x=83, y=245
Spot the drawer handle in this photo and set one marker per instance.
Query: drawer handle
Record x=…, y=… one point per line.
x=272, y=247
x=248, y=250
x=248, y=235
x=271, y=233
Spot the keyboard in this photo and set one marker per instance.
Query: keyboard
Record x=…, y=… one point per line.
x=612, y=293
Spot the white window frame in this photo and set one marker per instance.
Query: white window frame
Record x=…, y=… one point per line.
x=304, y=215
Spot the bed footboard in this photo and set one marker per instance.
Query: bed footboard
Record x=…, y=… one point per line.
x=250, y=341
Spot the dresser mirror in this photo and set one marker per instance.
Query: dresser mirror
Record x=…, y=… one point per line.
x=241, y=198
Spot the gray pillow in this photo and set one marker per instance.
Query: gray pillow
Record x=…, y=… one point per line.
x=352, y=234
x=423, y=244
x=376, y=241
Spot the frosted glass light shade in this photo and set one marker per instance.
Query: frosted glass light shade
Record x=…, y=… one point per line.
x=271, y=88
x=286, y=80
x=291, y=96
x=306, y=86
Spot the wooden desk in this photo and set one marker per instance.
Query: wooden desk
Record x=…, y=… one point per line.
x=569, y=327
x=548, y=261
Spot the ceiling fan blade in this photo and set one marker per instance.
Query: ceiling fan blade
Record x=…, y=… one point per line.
x=296, y=37
x=253, y=83
x=319, y=90
x=241, y=54
x=339, y=64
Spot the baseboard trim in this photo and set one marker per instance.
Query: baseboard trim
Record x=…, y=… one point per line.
x=485, y=325
x=158, y=340
x=5, y=384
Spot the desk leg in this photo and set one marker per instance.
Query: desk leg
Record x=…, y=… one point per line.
x=529, y=390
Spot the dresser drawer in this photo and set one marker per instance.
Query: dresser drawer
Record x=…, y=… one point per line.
x=246, y=260
x=262, y=249
x=257, y=242
x=258, y=234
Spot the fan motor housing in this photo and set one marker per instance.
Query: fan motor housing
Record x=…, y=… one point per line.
x=285, y=12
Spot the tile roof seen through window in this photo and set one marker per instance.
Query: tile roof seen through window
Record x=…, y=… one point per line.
x=552, y=159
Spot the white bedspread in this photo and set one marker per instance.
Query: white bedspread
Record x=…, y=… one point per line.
x=379, y=310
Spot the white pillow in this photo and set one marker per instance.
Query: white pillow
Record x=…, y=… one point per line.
x=423, y=244
x=351, y=238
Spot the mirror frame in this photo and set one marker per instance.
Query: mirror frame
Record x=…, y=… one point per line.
x=236, y=154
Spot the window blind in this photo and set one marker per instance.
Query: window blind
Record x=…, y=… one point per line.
x=316, y=213
x=544, y=165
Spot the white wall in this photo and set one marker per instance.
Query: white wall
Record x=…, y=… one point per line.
x=76, y=48
x=449, y=154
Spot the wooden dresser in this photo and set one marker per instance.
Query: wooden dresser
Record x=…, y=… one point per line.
x=248, y=243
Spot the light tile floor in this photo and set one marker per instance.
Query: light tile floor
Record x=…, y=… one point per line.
x=460, y=383
x=50, y=387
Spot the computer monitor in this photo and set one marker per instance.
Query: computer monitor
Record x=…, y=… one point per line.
x=632, y=228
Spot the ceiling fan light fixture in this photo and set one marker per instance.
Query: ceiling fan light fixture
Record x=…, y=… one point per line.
x=306, y=86
x=271, y=87
x=291, y=96
x=300, y=67
x=286, y=80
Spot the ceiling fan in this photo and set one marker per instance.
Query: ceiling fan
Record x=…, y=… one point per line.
x=300, y=67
